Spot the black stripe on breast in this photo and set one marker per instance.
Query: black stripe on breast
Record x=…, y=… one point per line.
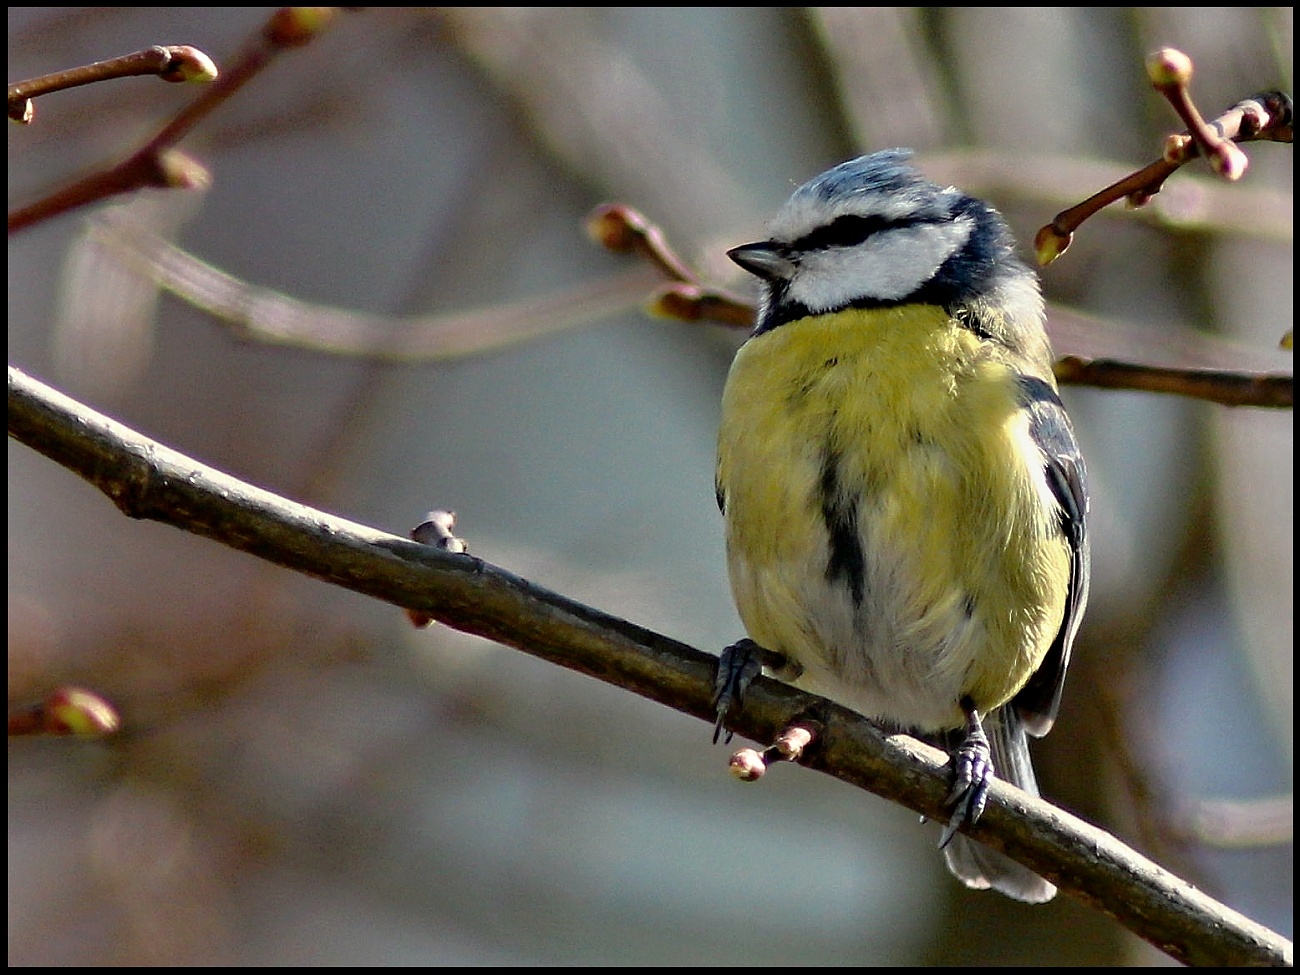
x=846, y=563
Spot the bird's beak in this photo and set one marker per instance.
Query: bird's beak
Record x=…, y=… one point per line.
x=765, y=259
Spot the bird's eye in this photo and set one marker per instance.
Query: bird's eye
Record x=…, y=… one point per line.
x=846, y=231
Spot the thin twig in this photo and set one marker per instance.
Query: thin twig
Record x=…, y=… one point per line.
x=626, y=230
x=175, y=63
x=1267, y=116
x=1212, y=385
x=158, y=163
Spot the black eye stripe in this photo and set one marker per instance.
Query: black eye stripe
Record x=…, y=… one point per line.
x=852, y=229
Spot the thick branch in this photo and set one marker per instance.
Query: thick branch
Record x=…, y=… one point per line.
x=147, y=480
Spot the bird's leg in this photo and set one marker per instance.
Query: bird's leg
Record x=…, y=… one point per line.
x=738, y=665
x=973, y=771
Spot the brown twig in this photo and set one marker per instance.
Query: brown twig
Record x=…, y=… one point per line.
x=175, y=63
x=1213, y=385
x=685, y=302
x=1170, y=72
x=1267, y=116
x=625, y=230
x=158, y=163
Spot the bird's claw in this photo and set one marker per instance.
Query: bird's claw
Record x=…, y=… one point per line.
x=738, y=665
x=973, y=771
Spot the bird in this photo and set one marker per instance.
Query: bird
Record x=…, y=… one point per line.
x=903, y=495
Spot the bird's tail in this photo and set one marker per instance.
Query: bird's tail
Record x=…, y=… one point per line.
x=981, y=867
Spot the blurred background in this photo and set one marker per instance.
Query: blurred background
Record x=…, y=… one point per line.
x=306, y=779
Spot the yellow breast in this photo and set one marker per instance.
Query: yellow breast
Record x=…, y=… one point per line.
x=888, y=521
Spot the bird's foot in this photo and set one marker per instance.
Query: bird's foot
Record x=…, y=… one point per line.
x=972, y=773
x=738, y=665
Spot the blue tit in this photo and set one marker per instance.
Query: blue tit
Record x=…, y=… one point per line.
x=904, y=498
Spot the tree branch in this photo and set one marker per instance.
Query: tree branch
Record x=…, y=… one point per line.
x=147, y=480
x=1224, y=387
x=1267, y=115
x=158, y=163
x=171, y=63
x=257, y=314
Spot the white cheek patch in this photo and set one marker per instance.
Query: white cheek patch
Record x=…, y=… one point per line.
x=887, y=266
